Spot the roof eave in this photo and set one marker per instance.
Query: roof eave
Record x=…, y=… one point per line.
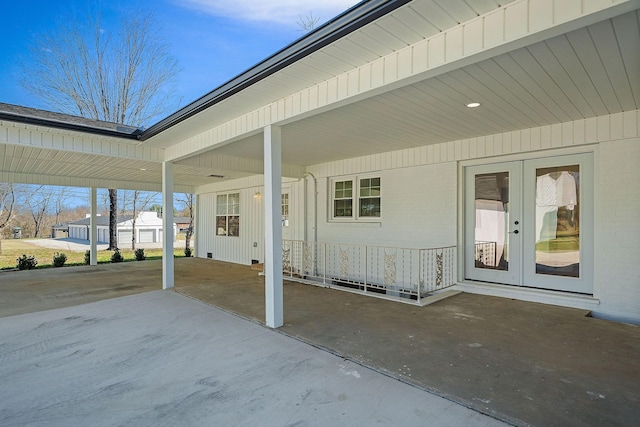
x=342, y=25
x=37, y=121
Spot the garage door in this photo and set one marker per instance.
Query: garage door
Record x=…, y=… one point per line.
x=124, y=238
x=147, y=236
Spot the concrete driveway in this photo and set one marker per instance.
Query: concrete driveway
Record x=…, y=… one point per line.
x=83, y=245
x=163, y=359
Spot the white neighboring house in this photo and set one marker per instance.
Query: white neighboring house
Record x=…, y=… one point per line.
x=148, y=229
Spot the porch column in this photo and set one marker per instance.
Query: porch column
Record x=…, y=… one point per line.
x=196, y=225
x=93, y=233
x=273, y=226
x=167, y=226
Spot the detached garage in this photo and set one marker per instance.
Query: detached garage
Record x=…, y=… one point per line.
x=124, y=237
x=148, y=227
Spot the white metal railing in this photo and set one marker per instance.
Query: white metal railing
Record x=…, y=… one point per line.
x=485, y=254
x=395, y=272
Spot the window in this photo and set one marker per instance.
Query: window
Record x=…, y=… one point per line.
x=343, y=199
x=369, y=198
x=285, y=209
x=228, y=215
x=365, y=191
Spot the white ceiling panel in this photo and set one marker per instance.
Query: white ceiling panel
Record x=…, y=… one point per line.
x=589, y=72
x=570, y=77
x=404, y=26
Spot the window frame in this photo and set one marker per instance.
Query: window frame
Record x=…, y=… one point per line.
x=355, y=199
x=228, y=215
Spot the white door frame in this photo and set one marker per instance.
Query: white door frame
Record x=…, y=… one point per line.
x=512, y=275
x=525, y=240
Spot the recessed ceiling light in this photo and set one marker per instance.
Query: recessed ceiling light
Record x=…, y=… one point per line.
x=143, y=169
x=473, y=104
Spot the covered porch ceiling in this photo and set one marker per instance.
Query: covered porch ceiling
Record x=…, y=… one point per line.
x=586, y=72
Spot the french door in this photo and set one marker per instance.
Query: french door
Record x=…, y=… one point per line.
x=530, y=223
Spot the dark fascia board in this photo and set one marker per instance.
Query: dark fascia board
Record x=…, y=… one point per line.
x=36, y=117
x=354, y=18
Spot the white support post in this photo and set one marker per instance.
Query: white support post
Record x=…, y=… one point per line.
x=167, y=226
x=93, y=234
x=274, y=299
x=196, y=224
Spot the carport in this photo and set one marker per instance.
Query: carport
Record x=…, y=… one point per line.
x=521, y=362
x=381, y=79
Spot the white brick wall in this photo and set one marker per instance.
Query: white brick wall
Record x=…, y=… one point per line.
x=419, y=203
x=618, y=229
x=418, y=210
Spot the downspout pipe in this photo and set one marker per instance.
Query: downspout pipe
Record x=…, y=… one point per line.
x=315, y=206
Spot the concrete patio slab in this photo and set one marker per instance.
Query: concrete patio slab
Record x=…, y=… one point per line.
x=160, y=358
x=526, y=363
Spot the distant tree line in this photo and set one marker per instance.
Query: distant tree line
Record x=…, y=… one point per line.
x=37, y=208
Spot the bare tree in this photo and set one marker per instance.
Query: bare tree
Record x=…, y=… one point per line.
x=187, y=202
x=307, y=22
x=83, y=68
x=39, y=203
x=113, y=219
x=139, y=203
x=7, y=201
x=59, y=203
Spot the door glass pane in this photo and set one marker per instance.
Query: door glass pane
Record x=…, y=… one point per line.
x=492, y=220
x=557, y=212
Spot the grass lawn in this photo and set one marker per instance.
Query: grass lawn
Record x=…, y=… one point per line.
x=560, y=244
x=12, y=249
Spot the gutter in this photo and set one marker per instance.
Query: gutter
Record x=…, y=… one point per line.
x=36, y=121
x=349, y=21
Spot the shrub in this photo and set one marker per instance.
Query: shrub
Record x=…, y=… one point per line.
x=87, y=257
x=27, y=262
x=117, y=256
x=187, y=252
x=59, y=259
x=140, y=256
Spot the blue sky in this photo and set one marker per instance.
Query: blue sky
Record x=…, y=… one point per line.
x=212, y=40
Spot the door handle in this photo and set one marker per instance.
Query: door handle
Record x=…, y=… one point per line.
x=514, y=231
